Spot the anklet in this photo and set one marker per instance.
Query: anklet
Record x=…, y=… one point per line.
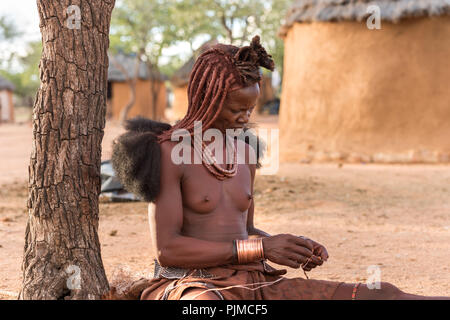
x=355, y=288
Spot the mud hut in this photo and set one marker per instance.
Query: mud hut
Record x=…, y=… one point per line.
x=354, y=94
x=6, y=100
x=148, y=83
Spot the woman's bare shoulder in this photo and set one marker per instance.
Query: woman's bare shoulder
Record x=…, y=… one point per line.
x=167, y=157
x=167, y=145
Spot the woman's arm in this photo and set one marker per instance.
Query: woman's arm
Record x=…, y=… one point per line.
x=271, y=248
x=171, y=248
x=252, y=231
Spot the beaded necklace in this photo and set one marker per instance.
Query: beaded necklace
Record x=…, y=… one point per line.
x=211, y=164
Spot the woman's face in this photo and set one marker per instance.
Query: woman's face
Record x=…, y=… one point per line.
x=237, y=108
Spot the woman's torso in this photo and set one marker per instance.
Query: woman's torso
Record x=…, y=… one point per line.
x=215, y=210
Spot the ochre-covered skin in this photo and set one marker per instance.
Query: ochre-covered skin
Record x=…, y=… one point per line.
x=194, y=208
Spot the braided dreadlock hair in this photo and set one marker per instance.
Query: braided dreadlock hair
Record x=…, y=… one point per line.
x=219, y=70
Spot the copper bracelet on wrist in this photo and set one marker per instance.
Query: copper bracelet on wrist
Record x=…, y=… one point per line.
x=249, y=250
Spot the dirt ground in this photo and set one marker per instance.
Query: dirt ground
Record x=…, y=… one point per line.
x=396, y=217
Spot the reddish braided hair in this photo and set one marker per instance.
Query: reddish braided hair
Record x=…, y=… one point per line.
x=219, y=70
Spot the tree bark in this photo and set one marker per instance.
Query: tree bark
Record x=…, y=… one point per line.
x=62, y=258
x=154, y=89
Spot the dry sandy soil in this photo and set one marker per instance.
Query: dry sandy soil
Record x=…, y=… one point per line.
x=394, y=216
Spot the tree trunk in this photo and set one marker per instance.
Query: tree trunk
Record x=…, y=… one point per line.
x=123, y=116
x=131, y=84
x=62, y=257
x=155, y=85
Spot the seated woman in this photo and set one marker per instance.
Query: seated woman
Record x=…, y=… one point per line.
x=206, y=244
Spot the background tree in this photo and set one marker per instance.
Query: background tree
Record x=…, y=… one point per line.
x=25, y=74
x=142, y=27
x=189, y=22
x=19, y=68
x=8, y=32
x=62, y=257
x=240, y=20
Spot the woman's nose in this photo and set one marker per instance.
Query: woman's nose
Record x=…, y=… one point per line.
x=245, y=117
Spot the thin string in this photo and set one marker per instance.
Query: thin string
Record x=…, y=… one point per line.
x=242, y=286
x=306, y=263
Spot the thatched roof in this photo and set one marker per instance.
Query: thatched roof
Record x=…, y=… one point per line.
x=356, y=10
x=6, y=85
x=181, y=76
x=127, y=63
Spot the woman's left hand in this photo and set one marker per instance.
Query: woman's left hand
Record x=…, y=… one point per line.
x=319, y=251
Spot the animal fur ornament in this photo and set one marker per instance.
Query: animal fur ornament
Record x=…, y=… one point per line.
x=136, y=157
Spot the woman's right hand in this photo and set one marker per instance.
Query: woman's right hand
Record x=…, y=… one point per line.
x=289, y=250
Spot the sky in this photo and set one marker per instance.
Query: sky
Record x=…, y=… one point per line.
x=24, y=14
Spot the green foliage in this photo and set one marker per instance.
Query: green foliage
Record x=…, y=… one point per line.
x=8, y=30
x=173, y=65
x=152, y=25
x=142, y=27
x=241, y=20
x=26, y=79
x=191, y=19
x=20, y=69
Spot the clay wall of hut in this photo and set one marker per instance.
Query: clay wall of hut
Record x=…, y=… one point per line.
x=355, y=94
x=143, y=106
x=6, y=106
x=180, y=103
